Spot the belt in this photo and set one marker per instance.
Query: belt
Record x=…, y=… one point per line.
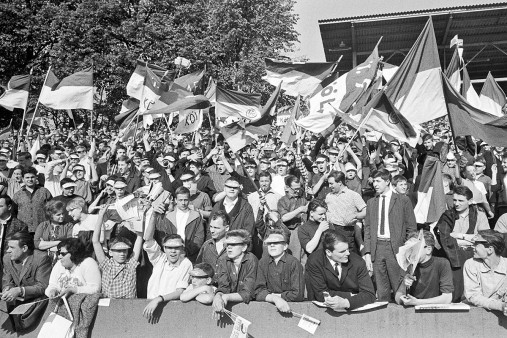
x=383, y=239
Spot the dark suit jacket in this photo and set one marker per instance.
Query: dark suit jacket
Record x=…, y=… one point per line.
x=355, y=283
x=401, y=222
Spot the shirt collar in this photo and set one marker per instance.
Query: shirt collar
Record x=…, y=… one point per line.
x=233, y=203
x=501, y=267
x=282, y=259
x=333, y=263
x=387, y=194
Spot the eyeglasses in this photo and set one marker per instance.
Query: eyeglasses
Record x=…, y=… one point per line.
x=61, y=253
x=167, y=247
x=276, y=243
x=233, y=244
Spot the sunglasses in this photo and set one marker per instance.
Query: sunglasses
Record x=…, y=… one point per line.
x=61, y=253
x=276, y=243
x=233, y=244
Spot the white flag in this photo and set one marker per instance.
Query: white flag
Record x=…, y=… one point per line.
x=190, y=121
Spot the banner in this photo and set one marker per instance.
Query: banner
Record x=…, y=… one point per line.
x=190, y=121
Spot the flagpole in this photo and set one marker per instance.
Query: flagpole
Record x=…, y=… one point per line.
x=37, y=105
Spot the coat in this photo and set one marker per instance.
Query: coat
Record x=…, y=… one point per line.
x=241, y=216
x=401, y=222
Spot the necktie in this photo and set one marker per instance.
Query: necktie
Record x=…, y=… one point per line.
x=383, y=216
x=337, y=270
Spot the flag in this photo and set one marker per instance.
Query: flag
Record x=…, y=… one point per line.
x=415, y=89
x=388, y=71
x=191, y=82
x=211, y=91
x=153, y=89
x=465, y=119
x=189, y=102
x=289, y=133
x=16, y=95
x=237, y=136
x=339, y=95
x=381, y=115
x=270, y=106
x=492, y=97
x=430, y=194
x=190, y=121
x=298, y=78
x=72, y=92
x=452, y=71
x=237, y=105
x=263, y=125
x=136, y=81
x=5, y=133
x=124, y=118
x=408, y=255
x=468, y=91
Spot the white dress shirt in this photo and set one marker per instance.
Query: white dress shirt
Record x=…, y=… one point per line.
x=388, y=194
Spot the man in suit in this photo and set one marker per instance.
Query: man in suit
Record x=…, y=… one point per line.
x=389, y=221
x=338, y=277
x=26, y=276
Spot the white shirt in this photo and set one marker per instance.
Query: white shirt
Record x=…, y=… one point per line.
x=166, y=277
x=388, y=194
x=272, y=199
x=229, y=205
x=85, y=276
x=278, y=184
x=181, y=222
x=220, y=246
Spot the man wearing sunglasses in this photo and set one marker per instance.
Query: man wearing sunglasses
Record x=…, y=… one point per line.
x=280, y=277
x=485, y=275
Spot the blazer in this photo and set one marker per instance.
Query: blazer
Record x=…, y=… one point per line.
x=401, y=222
x=354, y=284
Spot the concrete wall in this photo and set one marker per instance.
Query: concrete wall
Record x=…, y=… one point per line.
x=123, y=318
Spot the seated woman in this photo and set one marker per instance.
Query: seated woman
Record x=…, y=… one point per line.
x=49, y=233
x=75, y=272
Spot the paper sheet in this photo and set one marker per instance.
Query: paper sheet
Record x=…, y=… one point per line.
x=362, y=308
x=309, y=324
x=104, y=301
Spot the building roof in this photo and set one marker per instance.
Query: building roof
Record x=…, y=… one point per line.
x=483, y=29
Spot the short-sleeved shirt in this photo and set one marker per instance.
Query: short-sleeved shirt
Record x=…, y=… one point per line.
x=119, y=280
x=433, y=278
x=343, y=206
x=166, y=277
x=290, y=203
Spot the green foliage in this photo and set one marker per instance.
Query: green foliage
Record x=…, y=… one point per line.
x=230, y=37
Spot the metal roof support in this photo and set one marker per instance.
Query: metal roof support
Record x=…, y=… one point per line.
x=477, y=54
x=354, y=46
x=394, y=53
x=449, y=23
x=501, y=50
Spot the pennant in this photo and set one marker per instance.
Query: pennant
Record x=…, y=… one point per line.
x=16, y=95
x=190, y=121
x=492, y=97
x=72, y=92
x=468, y=91
x=237, y=136
x=415, y=89
x=152, y=91
x=136, y=81
x=430, y=195
x=289, y=133
x=237, y=105
x=464, y=119
x=263, y=125
x=452, y=71
x=191, y=82
x=298, y=78
x=340, y=95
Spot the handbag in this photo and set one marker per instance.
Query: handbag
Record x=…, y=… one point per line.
x=57, y=326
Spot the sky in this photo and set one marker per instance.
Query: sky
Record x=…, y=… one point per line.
x=310, y=11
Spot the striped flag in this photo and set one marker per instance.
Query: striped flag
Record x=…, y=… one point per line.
x=452, y=71
x=492, y=97
x=152, y=91
x=136, y=81
x=72, y=92
x=298, y=78
x=430, y=195
x=16, y=95
x=263, y=125
x=191, y=82
x=468, y=91
x=340, y=95
x=237, y=136
x=232, y=105
x=416, y=89
x=289, y=133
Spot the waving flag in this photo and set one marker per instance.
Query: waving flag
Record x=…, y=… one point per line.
x=408, y=255
x=468, y=91
x=263, y=125
x=289, y=133
x=340, y=95
x=492, y=97
x=416, y=89
x=136, y=81
x=452, y=71
x=237, y=136
x=72, y=92
x=430, y=195
x=189, y=121
x=298, y=78
x=16, y=95
x=233, y=105
x=192, y=82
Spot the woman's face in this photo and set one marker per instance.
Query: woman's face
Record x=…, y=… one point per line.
x=16, y=175
x=57, y=217
x=65, y=258
x=75, y=214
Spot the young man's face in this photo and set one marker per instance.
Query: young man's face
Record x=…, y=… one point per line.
x=479, y=168
x=401, y=188
x=460, y=203
x=5, y=210
x=350, y=174
x=380, y=185
x=470, y=172
x=182, y=201
x=334, y=185
x=321, y=165
x=276, y=245
x=265, y=183
x=340, y=254
x=250, y=170
x=264, y=166
x=120, y=192
x=281, y=169
x=220, y=167
x=29, y=180
x=174, y=249
x=217, y=229
x=120, y=256
x=235, y=247
x=120, y=152
x=68, y=191
x=123, y=167
x=79, y=174
x=481, y=250
x=428, y=144
x=318, y=215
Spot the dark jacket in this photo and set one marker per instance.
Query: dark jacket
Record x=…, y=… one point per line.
x=401, y=222
x=241, y=216
x=13, y=225
x=355, y=283
x=242, y=282
x=133, y=181
x=194, y=231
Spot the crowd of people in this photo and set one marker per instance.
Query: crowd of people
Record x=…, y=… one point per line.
x=321, y=219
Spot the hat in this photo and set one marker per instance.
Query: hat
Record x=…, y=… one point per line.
x=120, y=182
x=40, y=155
x=234, y=240
x=479, y=164
x=349, y=166
x=67, y=185
x=187, y=175
x=232, y=183
x=74, y=156
x=197, y=272
x=392, y=167
x=120, y=246
x=78, y=167
x=110, y=181
x=265, y=160
x=333, y=151
x=154, y=175
x=281, y=161
x=395, y=141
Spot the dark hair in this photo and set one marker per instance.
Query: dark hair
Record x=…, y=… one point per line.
x=52, y=207
x=206, y=267
x=277, y=231
x=123, y=159
x=182, y=191
x=316, y=203
x=382, y=173
x=463, y=191
x=331, y=238
x=265, y=173
x=249, y=161
x=426, y=137
x=23, y=238
x=494, y=239
x=289, y=179
x=397, y=179
x=30, y=170
x=223, y=215
x=8, y=201
x=76, y=248
x=26, y=155
x=322, y=156
x=173, y=236
x=428, y=237
x=245, y=235
x=197, y=164
x=66, y=180
x=338, y=176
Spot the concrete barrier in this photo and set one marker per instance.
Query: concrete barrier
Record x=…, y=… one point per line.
x=123, y=318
